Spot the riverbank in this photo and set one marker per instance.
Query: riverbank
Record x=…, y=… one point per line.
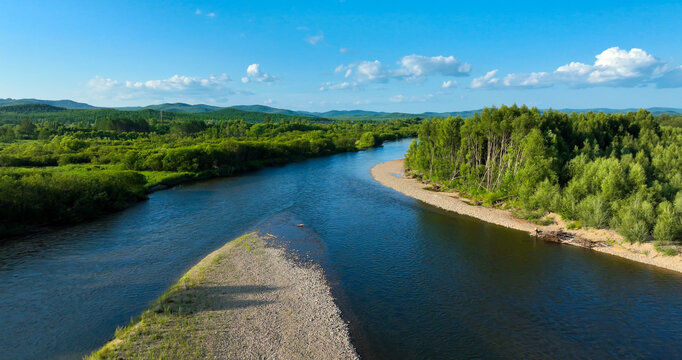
x=390, y=174
x=78, y=205
x=246, y=300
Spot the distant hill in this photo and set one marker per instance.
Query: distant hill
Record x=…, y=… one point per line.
x=175, y=107
x=232, y=112
x=271, y=110
x=262, y=109
x=67, y=104
x=30, y=108
x=653, y=110
x=378, y=115
x=375, y=115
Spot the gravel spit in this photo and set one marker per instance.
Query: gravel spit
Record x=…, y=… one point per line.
x=246, y=300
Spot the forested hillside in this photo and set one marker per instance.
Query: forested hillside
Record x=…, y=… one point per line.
x=622, y=171
x=60, y=172
x=41, y=114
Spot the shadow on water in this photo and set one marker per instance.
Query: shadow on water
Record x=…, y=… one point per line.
x=414, y=281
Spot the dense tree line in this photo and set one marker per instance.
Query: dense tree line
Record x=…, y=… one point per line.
x=34, y=198
x=622, y=171
x=39, y=113
x=29, y=108
x=75, y=171
x=122, y=125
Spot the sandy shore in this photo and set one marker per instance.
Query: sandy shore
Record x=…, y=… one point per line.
x=246, y=300
x=611, y=243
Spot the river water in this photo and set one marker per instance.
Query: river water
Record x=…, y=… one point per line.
x=414, y=281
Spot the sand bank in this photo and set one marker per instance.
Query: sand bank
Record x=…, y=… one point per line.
x=246, y=300
x=608, y=241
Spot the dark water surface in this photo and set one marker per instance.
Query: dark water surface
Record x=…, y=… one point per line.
x=414, y=281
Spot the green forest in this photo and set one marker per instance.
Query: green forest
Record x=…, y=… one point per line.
x=66, y=166
x=619, y=171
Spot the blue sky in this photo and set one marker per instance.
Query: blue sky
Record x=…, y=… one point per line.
x=322, y=55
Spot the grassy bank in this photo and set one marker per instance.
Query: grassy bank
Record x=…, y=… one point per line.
x=59, y=174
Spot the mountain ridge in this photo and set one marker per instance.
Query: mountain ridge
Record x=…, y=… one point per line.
x=355, y=114
x=65, y=103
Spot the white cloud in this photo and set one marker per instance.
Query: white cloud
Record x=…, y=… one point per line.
x=411, y=68
x=359, y=73
x=417, y=66
x=344, y=50
x=179, y=83
x=253, y=74
x=613, y=67
x=487, y=80
x=101, y=84
x=339, y=86
x=369, y=71
x=209, y=14
x=313, y=40
x=532, y=80
x=268, y=102
x=176, y=86
x=449, y=84
x=400, y=98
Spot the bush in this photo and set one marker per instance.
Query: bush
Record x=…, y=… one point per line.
x=367, y=140
x=635, y=218
x=667, y=226
x=594, y=211
x=569, y=206
x=546, y=197
x=73, y=159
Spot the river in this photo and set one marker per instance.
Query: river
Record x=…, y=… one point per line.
x=414, y=281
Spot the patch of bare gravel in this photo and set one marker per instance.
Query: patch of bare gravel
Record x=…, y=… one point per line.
x=385, y=173
x=274, y=308
x=246, y=300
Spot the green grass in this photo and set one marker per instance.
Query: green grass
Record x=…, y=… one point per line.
x=165, y=331
x=530, y=215
x=667, y=248
x=573, y=225
x=545, y=221
x=168, y=329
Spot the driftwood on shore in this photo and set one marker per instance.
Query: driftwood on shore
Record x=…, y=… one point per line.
x=565, y=237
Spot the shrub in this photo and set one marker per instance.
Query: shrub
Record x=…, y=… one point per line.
x=546, y=197
x=635, y=218
x=667, y=226
x=367, y=140
x=594, y=211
